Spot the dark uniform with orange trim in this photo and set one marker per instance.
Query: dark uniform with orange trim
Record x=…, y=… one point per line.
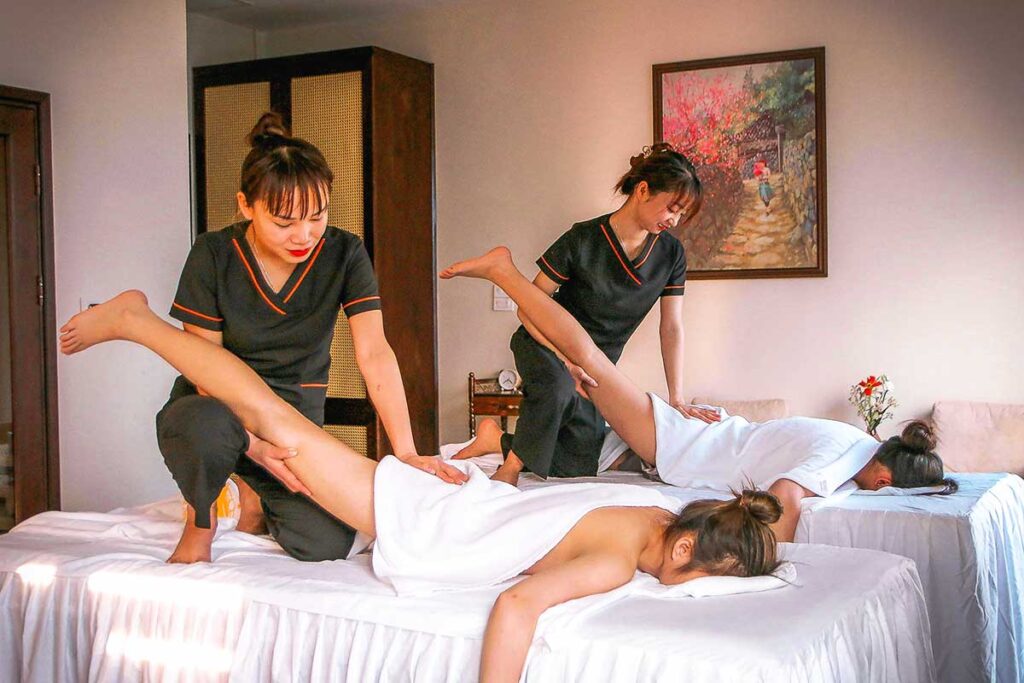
x=559, y=433
x=285, y=337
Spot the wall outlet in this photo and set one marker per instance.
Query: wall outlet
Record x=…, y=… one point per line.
x=85, y=303
x=501, y=301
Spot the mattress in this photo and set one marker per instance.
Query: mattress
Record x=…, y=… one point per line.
x=968, y=548
x=88, y=597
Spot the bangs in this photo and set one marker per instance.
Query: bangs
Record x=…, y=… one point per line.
x=282, y=193
x=689, y=197
x=292, y=182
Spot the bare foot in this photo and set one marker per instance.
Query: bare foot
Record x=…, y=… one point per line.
x=250, y=516
x=488, y=440
x=509, y=470
x=507, y=474
x=484, y=266
x=195, y=543
x=101, y=323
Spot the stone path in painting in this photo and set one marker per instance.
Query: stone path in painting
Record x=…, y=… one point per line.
x=760, y=239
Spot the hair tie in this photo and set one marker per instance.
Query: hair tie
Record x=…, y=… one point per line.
x=269, y=141
x=649, y=151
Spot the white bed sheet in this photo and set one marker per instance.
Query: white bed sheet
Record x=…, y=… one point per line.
x=969, y=552
x=968, y=548
x=87, y=597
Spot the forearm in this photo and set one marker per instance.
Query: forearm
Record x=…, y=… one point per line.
x=672, y=358
x=507, y=641
x=387, y=392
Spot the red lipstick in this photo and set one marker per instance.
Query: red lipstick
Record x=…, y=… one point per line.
x=298, y=253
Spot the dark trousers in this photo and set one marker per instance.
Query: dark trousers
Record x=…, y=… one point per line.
x=203, y=443
x=559, y=433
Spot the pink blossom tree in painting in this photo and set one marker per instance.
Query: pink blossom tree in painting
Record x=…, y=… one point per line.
x=750, y=130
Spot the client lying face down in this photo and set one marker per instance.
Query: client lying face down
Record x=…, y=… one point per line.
x=797, y=457
x=906, y=461
x=610, y=531
x=794, y=458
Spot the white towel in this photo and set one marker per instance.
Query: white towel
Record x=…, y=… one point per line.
x=435, y=536
x=894, y=491
x=851, y=489
x=561, y=621
x=820, y=455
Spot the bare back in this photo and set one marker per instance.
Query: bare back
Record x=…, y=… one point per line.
x=617, y=531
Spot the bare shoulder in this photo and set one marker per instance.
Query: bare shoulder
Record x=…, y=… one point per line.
x=628, y=524
x=609, y=532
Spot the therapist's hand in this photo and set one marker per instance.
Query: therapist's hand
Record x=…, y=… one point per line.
x=434, y=465
x=271, y=458
x=581, y=378
x=696, y=412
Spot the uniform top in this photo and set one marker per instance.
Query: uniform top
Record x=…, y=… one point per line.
x=607, y=292
x=284, y=336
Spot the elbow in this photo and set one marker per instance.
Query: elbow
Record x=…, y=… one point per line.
x=372, y=356
x=790, y=494
x=671, y=331
x=517, y=605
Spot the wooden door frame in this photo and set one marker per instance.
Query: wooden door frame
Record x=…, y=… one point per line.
x=48, y=469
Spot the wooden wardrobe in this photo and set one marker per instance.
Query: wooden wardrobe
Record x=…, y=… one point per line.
x=371, y=112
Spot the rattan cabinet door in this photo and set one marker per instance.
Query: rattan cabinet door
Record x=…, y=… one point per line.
x=231, y=111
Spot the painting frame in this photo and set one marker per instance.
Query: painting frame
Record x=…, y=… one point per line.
x=818, y=258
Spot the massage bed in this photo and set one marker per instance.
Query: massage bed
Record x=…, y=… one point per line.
x=968, y=548
x=88, y=597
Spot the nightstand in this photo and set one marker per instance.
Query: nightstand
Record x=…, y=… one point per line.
x=487, y=398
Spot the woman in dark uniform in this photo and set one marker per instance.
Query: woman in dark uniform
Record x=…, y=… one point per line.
x=607, y=272
x=269, y=289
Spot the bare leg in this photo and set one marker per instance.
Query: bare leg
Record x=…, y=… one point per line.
x=487, y=440
x=322, y=459
x=250, y=515
x=509, y=470
x=195, y=542
x=627, y=409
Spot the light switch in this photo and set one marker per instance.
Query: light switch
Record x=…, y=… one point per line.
x=502, y=302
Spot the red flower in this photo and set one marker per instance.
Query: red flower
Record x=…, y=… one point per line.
x=869, y=385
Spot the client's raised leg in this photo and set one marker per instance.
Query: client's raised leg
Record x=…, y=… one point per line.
x=340, y=479
x=627, y=408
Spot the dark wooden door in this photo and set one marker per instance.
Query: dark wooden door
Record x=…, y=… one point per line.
x=30, y=359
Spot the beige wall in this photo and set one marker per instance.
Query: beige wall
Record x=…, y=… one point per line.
x=212, y=41
x=540, y=104
x=117, y=78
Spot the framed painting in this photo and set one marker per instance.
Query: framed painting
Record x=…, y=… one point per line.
x=754, y=127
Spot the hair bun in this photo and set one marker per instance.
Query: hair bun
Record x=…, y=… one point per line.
x=919, y=436
x=270, y=129
x=763, y=506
